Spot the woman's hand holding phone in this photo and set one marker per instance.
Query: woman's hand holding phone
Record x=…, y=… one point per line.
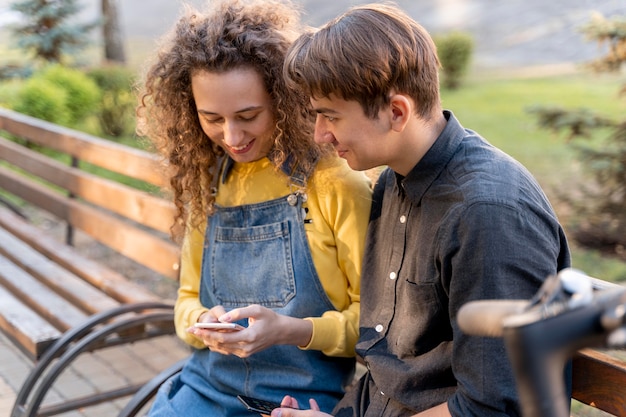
x=220, y=333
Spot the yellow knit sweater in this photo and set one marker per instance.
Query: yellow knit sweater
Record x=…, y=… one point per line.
x=339, y=201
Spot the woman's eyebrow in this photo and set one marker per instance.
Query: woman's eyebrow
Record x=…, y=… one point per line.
x=244, y=110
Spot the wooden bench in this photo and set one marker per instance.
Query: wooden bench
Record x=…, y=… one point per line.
x=599, y=376
x=599, y=380
x=57, y=300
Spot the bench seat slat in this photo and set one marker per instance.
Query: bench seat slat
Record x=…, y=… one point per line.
x=24, y=326
x=63, y=282
x=50, y=305
x=106, y=279
x=129, y=240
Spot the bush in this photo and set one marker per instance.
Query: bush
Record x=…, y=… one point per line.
x=599, y=202
x=83, y=94
x=455, y=51
x=9, y=92
x=117, y=108
x=44, y=100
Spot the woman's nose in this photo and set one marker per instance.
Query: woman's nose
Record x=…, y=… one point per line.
x=233, y=135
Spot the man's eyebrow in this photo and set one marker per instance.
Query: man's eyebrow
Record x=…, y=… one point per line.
x=244, y=110
x=324, y=110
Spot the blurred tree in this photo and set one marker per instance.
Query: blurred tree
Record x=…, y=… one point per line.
x=455, y=52
x=47, y=29
x=112, y=33
x=599, y=203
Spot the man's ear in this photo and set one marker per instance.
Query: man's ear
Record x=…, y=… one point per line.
x=401, y=109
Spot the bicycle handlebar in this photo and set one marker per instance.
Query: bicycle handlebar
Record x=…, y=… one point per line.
x=543, y=333
x=486, y=317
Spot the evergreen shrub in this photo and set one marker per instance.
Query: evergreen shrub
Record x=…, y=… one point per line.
x=41, y=99
x=117, y=109
x=83, y=94
x=455, y=52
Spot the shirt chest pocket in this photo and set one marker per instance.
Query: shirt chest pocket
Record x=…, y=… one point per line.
x=253, y=265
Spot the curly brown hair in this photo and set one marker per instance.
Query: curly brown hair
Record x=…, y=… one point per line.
x=231, y=34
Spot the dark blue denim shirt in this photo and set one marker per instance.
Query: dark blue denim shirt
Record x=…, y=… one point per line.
x=467, y=223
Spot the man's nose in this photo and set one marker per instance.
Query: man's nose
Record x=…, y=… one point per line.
x=322, y=134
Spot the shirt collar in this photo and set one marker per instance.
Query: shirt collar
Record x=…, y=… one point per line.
x=430, y=167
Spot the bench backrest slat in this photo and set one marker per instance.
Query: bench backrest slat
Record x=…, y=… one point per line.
x=133, y=242
x=134, y=163
x=599, y=381
x=134, y=204
x=105, y=206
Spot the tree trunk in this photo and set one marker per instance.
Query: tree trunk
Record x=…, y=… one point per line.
x=112, y=34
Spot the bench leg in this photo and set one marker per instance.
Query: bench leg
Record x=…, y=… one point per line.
x=84, y=338
x=141, y=398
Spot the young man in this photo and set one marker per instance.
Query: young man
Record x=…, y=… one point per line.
x=453, y=220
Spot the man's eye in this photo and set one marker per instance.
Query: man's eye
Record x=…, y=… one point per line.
x=330, y=118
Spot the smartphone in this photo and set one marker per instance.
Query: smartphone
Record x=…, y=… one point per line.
x=258, y=406
x=218, y=326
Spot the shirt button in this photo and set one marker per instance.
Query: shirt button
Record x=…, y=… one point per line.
x=379, y=328
x=403, y=219
x=382, y=393
x=392, y=275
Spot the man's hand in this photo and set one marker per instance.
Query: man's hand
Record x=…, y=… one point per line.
x=293, y=411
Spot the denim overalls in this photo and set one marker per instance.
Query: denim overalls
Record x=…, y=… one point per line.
x=258, y=254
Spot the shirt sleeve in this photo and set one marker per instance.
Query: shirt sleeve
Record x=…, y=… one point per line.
x=344, y=199
x=188, y=308
x=493, y=251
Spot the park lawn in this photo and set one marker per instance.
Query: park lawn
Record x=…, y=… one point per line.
x=497, y=109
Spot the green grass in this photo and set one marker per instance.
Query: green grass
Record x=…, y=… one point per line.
x=496, y=108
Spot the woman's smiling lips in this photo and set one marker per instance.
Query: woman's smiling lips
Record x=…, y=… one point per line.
x=241, y=149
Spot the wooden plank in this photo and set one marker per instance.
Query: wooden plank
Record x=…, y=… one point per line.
x=69, y=286
x=111, y=282
x=138, y=244
x=129, y=202
x=113, y=156
x=41, y=299
x=599, y=381
x=24, y=326
x=34, y=193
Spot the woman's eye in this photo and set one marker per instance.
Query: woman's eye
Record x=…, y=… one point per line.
x=213, y=121
x=248, y=118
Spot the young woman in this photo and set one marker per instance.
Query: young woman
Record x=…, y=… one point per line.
x=274, y=224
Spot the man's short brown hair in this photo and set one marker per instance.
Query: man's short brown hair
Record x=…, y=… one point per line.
x=364, y=55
